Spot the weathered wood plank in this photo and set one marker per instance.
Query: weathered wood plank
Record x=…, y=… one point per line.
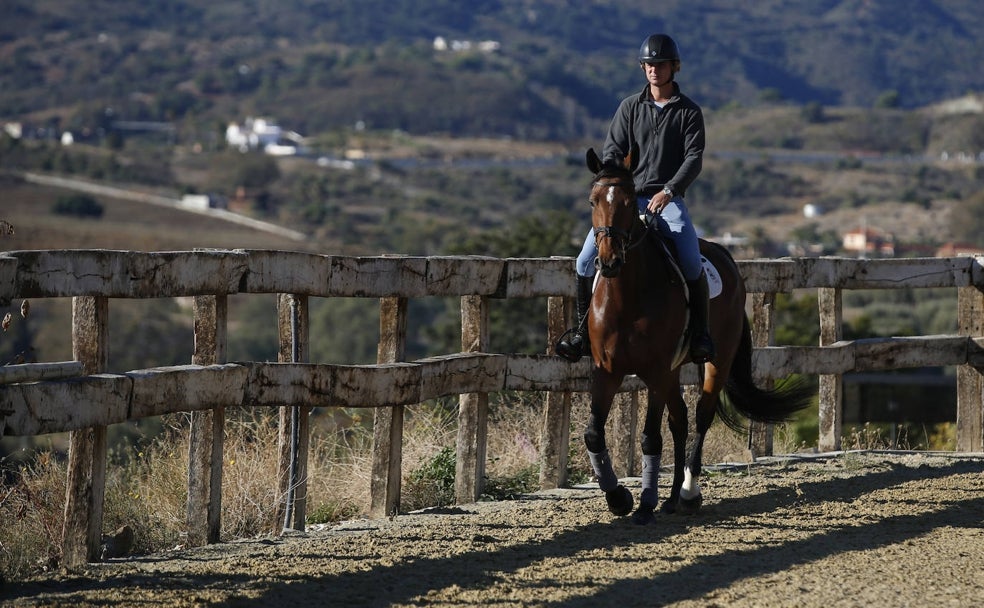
x=780, y=361
x=35, y=372
x=461, y=275
x=785, y=275
x=106, y=399
x=59, y=273
x=287, y=272
x=40, y=408
x=109, y=399
x=185, y=388
x=378, y=277
x=770, y=276
x=547, y=372
x=127, y=274
x=888, y=273
x=461, y=373
x=276, y=384
x=380, y=385
x=909, y=352
x=538, y=277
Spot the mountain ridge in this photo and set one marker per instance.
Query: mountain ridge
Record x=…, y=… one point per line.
x=558, y=73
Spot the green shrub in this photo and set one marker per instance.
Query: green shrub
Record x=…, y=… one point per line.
x=525, y=481
x=78, y=205
x=432, y=484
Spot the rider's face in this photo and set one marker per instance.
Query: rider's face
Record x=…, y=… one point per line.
x=659, y=73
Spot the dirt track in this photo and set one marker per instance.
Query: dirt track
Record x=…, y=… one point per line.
x=849, y=530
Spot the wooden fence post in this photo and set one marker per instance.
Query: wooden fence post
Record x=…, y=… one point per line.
x=625, y=423
x=387, y=431
x=970, y=381
x=294, y=340
x=204, y=509
x=86, y=486
x=473, y=408
x=761, y=435
x=555, y=436
x=831, y=385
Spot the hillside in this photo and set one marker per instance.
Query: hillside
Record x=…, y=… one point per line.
x=452, y=144
x=555, y=72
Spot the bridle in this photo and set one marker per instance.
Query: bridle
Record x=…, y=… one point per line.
x=622, y=241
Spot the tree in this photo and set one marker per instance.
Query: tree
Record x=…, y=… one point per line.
x=517, y=326
x=888, y=99
x=78, y=205
x=967, y=219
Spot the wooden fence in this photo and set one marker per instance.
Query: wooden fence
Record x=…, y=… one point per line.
x=83, y=397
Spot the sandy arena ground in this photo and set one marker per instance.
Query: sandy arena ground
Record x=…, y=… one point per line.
x=855, y=529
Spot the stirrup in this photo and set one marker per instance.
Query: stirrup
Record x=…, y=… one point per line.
x=567, y=349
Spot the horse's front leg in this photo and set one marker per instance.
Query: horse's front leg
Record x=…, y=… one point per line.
x=652, y=450
x=603, y=388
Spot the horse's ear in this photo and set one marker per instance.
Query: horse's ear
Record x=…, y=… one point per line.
x=632, y=158
x=593, y=162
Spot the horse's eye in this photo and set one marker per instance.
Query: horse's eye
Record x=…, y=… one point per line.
x=591, y=202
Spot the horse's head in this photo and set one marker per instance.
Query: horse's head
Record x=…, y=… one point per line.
x=613, y=209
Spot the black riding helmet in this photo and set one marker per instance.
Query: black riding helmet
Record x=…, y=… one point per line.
x=658, y=48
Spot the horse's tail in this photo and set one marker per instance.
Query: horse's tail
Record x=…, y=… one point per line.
x=762, y=405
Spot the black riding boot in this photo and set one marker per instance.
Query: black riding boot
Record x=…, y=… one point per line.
x=701, y=346
x=578, y=345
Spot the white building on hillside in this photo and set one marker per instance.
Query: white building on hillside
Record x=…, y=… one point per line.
x=262, y=134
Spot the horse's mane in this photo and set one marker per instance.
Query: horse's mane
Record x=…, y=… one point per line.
x=612, y=169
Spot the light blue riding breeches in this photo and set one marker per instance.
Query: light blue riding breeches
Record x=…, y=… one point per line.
x=673, y=222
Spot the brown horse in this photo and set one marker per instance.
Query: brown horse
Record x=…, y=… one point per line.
x=636, y=323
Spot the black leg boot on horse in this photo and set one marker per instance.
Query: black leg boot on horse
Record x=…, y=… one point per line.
x=578, y=345
x=701, y=346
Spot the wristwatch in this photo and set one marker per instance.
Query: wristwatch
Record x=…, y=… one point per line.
x=668, y=192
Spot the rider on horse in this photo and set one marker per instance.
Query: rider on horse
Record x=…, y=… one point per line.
x=668, y=129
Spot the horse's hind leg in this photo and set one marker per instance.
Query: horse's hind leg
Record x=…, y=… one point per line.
x=618, y=496
x=677, y=421
x=690, y=496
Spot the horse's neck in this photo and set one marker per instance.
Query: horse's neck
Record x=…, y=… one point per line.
x=645, y=274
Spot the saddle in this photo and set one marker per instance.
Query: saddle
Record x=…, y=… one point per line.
x=670, y=258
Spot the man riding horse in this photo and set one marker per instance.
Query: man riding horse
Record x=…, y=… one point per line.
x=667, y=127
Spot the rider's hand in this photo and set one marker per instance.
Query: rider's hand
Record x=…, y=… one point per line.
x=658, y=202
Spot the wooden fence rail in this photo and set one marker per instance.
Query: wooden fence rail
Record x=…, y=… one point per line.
x=56, y=397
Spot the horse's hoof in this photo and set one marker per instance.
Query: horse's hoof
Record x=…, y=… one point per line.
x=644, y=515
x=689, y=506
x=619, y=500
x=669, y=506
